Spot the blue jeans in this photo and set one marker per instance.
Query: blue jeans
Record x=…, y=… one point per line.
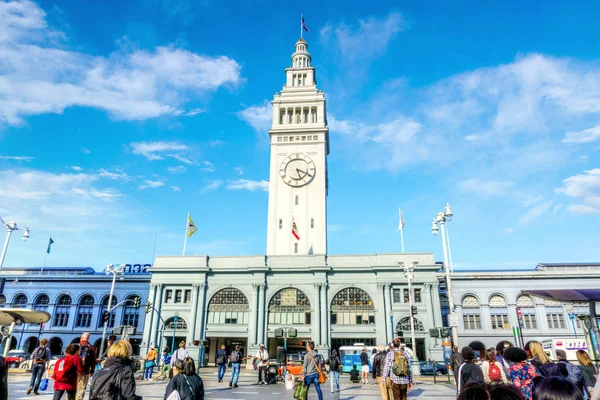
x=334, y=376
x=148, y=372
x=314, y=378
x=37, y=370
x=221, y=371
x=235, y=373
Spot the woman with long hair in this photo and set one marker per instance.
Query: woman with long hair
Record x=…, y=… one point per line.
x=544, y=365
x=116, y=377
x=587, y=368
x=493, y=372
x=187, y=383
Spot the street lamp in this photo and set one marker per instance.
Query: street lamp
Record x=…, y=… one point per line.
x=392, y=325
x=175, y=319
x=114, y=269
x=10, y=227
x=441, y=220
x=409, y=274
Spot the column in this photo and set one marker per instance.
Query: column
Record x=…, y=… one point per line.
x=202, y=288
x=256, y=287
x=324, y=313
x=194, y=311
x=148, y=324
x=156, y=325
x=316, y=331
x=383, y=322
x=261, y=313
x=387, y=292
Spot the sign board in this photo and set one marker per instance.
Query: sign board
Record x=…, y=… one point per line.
x=453, y=320
x=435, y=332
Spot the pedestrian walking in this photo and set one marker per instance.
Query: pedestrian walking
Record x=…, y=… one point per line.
x=187, y=383
x=262, y=357
x=493, y=372
x=334, y=363
x=166, y=365
x=312, y=368
x=221, y=363
x=571, y=372
x=364, y=366
x=588, y=370
x=397, y=368
x=385, y=385
x=235, y=359
x=180, y=354
x=542, y=363
x=40, y=358
x=149, y=363
x=65, y=373
x=371, y=359
x=87, y=353
x=522, y=373
x=468, y=372
x=455, y=362
x=115, y=380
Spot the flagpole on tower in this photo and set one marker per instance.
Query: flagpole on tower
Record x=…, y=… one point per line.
x=301, y=19
x=185, y=236
x=401, y=227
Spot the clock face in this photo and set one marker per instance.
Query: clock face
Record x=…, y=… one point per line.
x=297, y=170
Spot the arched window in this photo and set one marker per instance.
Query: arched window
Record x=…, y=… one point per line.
x=131, y=314
x=527, y=306
x=84, y=312
x=181, y=324
x=289, y=306
x=499, y=312
x=352, y=306
x=228, y=306
x=471, y=313
x=404, y=325
x=41, y=303
x=20, y=300
x=445, y=308
x=111, y=320
x=62, y=310
x=555, y=314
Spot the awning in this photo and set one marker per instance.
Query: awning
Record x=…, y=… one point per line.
x=22, y=315
x=568, y=295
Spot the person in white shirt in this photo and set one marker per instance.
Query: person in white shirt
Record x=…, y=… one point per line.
x=262, y=359
x=180, y=354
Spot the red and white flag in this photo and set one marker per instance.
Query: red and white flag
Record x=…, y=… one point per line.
x=295, y=230
x=304, y=24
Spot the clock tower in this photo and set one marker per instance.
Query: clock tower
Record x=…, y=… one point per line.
x=297, y=218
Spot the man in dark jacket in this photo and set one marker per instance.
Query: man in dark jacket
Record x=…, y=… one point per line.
x=221, y=363
x=455, y=361
x=364, y=362
x=468, y=372
x=378, y=364
x=88, y=359
x=116, y=376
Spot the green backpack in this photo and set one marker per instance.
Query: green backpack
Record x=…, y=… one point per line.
x=400, y=366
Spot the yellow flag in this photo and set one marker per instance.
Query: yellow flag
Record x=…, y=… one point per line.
x=191, y=228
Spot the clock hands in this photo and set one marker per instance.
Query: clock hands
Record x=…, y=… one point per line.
x=305, y=173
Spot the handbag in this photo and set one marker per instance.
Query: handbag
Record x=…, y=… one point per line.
x=301, y=391
x=174, y=395
x=44, y=383
x=322, y=375
x=149, y=364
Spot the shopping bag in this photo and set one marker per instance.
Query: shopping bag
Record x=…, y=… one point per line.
x=44, y=384
x=301, y=392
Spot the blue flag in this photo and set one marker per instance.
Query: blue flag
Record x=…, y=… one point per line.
x=49, y=244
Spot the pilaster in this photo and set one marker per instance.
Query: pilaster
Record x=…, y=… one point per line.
x=387, y=292
x=261, y=313
x=154, y=334
x=382, y=315
x=194, y=311
x=254, y=319
x=316, y=314
x=324, y=314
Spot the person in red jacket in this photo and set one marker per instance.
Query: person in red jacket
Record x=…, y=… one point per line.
x=65, y=373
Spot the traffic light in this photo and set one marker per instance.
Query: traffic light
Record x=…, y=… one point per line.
x=148, y=307
x=136, y=302
x=278, y=333
x=292, y=332
x=413, y=310
x=301, y=343
x=105, y=316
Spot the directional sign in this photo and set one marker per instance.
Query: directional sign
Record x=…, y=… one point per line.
x=453, y=320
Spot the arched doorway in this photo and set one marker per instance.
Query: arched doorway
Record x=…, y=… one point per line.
x=56, y=345
x=175, y=332
x=352, y=318
x=76, y=340
x=289, y=308
x=30, y=344
x=403, y=330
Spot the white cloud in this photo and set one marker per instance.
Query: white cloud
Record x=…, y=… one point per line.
x=258, y=117
x=485, y=188
x=41, y=76
x=176, y=188
x=585, y=136
x=217, y=143
x=365, y=40
x=17, y=158
x=116, y=175
x=509, y=230
x=534, y=213
x=208, y=166
x=85, y=151
x=151, y=184
x=212, y=185
x=161, y=150
x=246, y=184
x=76, y=168
x=239, y=170
x=179, y=169
x=584, y=209
x=584, y=186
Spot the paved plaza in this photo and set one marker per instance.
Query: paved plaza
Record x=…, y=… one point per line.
x=18, y=384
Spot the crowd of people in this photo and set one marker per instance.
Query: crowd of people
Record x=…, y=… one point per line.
x=514, y=373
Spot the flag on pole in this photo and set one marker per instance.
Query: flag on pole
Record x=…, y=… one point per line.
x=49, y=244
x=304, y=24
x=401, y=222
x=191, y=228
x=295, y=230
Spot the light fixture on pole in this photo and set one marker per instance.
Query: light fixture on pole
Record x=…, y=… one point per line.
x=114, y=269
x=10, y=227
x=409, y=274
x=441, y=219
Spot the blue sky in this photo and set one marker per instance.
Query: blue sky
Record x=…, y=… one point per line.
x=117, y=118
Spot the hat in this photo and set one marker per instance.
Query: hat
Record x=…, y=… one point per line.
x=151, y=346
x=515, y=354
x=261, y=345
x=237, y=346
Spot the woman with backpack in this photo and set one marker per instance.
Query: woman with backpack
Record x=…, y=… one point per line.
x=116, y=379
x=334, y=363
x=493, y=372
x=188, y=384
x=65, y=373
x=522, y=373
x=587, y=368
x=542, y=363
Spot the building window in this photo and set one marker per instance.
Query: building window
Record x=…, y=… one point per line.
x=41, y=303
x=187, y=296
x=285, y=138
x=20, y=301
x=181, y=324
x=84, y=312
x=281, y=116
x=278, y=139
x=280, y=223
x=351, y=305
x=417, y=295
x=527, y=306
x=397, y=295
x=315, y=137
x=295, y=248
x=289, y=306
x=313, y=115
x=296, y=199
x=111, y=319
x=445, y=309
x=499, y=312
x=131, y=314
x=168, y=296
x=228, y=306
x=554, y=314
x=471, y=313
x=312, y=222
x=62, y=311
x=178, y=296
x=404, y=325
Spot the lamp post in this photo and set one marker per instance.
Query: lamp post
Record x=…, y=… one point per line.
x=10, y=227
x=441, y=219
x=392, y=325
x=175, y=319
x=409, y=274
x=114, y=269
